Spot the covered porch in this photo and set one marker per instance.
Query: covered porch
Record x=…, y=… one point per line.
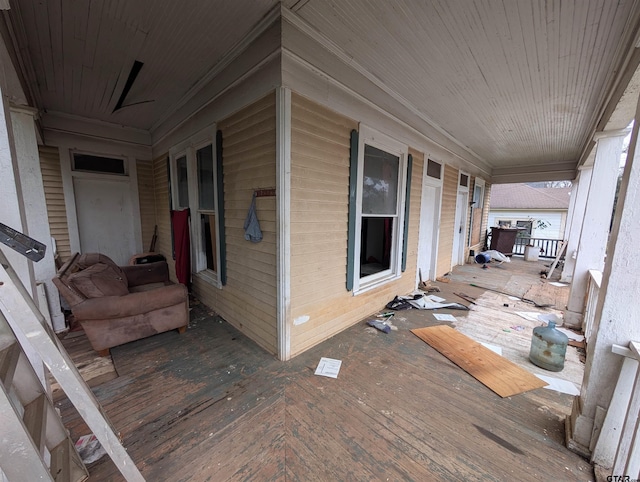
x=212, y=404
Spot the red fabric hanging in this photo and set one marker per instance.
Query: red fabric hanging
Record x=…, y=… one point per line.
x=181, y=243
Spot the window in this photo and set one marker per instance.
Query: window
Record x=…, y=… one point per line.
x=194, y=177
x=525, y=228
x=434, y=169
x=504, y=224
x=104, y=165
x=379, y=217
x=464, y=180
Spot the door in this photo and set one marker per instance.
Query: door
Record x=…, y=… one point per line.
x=457, y=254
x=428, y=237
x=104, y=210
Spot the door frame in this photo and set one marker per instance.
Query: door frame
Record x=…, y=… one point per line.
x=429, y=182
x=461, y=244
x=67, y=145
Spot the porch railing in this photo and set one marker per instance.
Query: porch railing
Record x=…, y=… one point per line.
x=548, y=247
x=593, y=289
x=618, y=444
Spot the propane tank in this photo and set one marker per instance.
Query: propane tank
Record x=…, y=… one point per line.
x=548, y=347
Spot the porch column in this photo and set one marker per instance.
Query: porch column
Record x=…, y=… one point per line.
x=578, y=203
x=35, y=206
x=596, y=221
x=616, y=318
x=12, y=214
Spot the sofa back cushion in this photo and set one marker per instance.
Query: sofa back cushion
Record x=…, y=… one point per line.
x=100, y=280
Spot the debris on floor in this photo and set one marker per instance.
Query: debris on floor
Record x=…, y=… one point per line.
x=328, y=367
x=89, y=448
x=444, y=317
x=518, y=328
x=379, y=325
x=494, y=371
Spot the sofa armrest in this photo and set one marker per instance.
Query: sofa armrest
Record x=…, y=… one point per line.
x=130, y=305
x=142, y=274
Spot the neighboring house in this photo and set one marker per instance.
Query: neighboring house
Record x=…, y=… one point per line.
x=541, y=212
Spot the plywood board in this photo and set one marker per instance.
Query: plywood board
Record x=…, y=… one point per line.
x=496, y=372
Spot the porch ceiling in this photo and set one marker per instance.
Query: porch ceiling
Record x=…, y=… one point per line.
x=521, y=85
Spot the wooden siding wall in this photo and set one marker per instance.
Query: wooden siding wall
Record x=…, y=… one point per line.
x=249, y=299
x=147, y=202
x=54, y=196
x=162, y=211
x=447, y=219
x=321, y=306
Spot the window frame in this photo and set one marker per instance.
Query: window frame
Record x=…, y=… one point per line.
x=368, y=136
x=189, y=149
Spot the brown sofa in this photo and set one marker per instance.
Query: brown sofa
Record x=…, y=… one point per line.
x=118, y=304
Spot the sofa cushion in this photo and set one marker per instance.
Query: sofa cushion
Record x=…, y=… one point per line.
x=100, y=280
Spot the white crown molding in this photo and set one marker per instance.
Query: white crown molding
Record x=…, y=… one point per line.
x=299, y=23
x=92, y=128
x=418, y=139
x=224, y=62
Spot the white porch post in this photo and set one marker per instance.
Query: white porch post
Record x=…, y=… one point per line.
x=616, y=313
x=35, y=205
x=13, y=215
x=574, y=227
x=595, y=224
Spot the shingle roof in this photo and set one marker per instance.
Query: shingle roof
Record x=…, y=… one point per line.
x=523, y=196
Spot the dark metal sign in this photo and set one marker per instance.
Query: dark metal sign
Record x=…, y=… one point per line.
x=26, y=246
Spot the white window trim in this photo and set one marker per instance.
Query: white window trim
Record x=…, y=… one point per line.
x=376, y=139
x=189, y=149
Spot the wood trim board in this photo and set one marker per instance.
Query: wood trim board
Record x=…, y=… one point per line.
x=494, y=371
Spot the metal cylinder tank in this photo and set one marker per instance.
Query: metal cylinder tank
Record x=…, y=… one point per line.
x=548, y=347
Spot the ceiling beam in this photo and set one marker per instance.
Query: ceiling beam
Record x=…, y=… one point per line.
x=560, y=171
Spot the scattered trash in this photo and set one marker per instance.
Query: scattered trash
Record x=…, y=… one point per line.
x=562, y=386
x=518, y=328
x=506, y=305
x=387, y=314
x=379, y=325
x=435, y=298
x=505, y=330
x=328, y=367
x=444, y=317
x=528, y=315
x=427, y=304
x=399, y=303
x=549, y=317
x=89, y=448
x=571, y=335
x=526, y=300
x=558, y=284
x=442, y=279
x=468, y=298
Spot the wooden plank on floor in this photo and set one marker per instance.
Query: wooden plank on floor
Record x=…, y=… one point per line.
x=497, y=373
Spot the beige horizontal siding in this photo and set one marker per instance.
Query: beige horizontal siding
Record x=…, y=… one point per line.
x=249, y=299
x=146, y=199
x=319, y=218
x=54, y=196
x=162, y=211
x=447, y=219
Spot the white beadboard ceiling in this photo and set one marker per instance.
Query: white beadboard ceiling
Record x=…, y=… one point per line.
x=516, y=82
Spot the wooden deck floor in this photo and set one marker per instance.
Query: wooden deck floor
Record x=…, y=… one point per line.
x=211, y=405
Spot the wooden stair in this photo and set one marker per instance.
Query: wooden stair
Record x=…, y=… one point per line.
x=37, y=445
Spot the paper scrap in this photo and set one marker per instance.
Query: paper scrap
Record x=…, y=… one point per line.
x=548, y=317
x=494, y=348
x=435, y=298
x=328, y=367
x=514, y=298
x=556, y=283
x=529, y=315
x=571, y=334
x=562, y=386
x=444, y=317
